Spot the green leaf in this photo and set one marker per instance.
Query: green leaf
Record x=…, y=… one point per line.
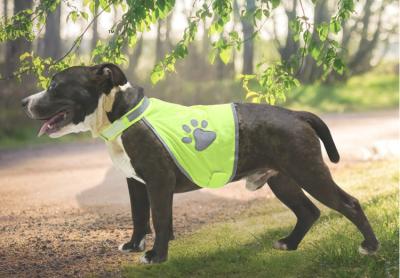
x=258, y=14
x=85, y=15
x=335, y=26
x=315, y=50
x=275, y=3
x=103, y=4
x=251, y=94
x=338, y=65
x=294, y=25
x=157, y=75
x=92, y=7
x=24, y=56
x=307, y=36
x=181, y=50
x=73, y=16
x=323, y=31
x=132, y=41
x=171, y=67
x=225, y=54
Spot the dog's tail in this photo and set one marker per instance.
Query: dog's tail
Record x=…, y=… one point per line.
x=323, y=132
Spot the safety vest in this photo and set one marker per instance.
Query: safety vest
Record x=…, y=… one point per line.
x=202, y=140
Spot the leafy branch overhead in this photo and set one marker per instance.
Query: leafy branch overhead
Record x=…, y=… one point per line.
x=269, y=83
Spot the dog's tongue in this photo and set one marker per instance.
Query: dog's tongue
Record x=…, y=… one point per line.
x=49, y=125
x=45, y=127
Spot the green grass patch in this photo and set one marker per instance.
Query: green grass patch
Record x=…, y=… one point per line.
x=27, y=136
x=361, y=93
x=242, y=247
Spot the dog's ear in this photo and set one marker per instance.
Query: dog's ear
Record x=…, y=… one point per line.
x=113, y=73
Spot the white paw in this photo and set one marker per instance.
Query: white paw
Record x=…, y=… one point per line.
x=366, y=252
x=144, y=260
x=279, y=245
x=140, y=248
x=120, y=248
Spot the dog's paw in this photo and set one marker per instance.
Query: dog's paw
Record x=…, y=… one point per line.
x=368, y=249
x=202, y=138
x=282, y=244
x=151, y=257
x=279, y=245
x=133, y=247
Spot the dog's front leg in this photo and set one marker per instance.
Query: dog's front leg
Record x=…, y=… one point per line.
x=161, y=197
x=140, y=208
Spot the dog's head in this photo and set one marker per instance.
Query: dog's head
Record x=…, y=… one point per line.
x=76, y=100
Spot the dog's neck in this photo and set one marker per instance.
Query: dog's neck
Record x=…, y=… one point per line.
x=126, y=98
x=113, y=106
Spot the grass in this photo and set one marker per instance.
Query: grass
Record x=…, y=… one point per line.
x=361, y=93
x=242, y=247
x=27, y=136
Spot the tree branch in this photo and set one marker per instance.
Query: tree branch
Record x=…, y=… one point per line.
x=79, y=38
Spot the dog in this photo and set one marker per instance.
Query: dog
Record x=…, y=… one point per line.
x=277, y=146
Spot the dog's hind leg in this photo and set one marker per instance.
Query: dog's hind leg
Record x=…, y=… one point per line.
x=287, y=191
x=317, y=180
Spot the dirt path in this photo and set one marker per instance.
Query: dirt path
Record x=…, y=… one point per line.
x=64, y=209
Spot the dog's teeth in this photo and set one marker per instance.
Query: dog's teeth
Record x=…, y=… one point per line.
x=49, y=126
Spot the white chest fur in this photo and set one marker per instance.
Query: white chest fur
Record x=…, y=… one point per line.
x=120, y=159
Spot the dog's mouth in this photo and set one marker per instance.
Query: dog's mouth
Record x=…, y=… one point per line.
x=55, y=122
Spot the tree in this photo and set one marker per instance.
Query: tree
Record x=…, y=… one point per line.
x=359, y=60
x=134, y=57
x=52, y=38
x=248, y=45
x=5, y=9
x=95, y=35
x=357, y=57
x=272, y=79
x=19, y=45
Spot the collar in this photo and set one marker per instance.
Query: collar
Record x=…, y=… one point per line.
x=132, y=116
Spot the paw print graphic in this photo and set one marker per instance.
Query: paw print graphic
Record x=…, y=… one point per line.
x=202, y=138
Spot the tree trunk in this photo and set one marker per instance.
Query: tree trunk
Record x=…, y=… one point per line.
x=16, y=47
x=5, y=9
x=52, y=38
x=359, y=60
x=248, y=47
x=168, y=44
x=159, y=43
x=95, y=36
x=2, y=46
x=135, y=56
x=311, y=72
x=290, y=48
x=205, y=42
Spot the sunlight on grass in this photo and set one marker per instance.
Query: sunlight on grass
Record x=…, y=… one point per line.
x=242, y=247
x=362, y=93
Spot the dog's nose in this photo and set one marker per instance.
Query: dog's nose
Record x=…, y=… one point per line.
x=25, y=102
